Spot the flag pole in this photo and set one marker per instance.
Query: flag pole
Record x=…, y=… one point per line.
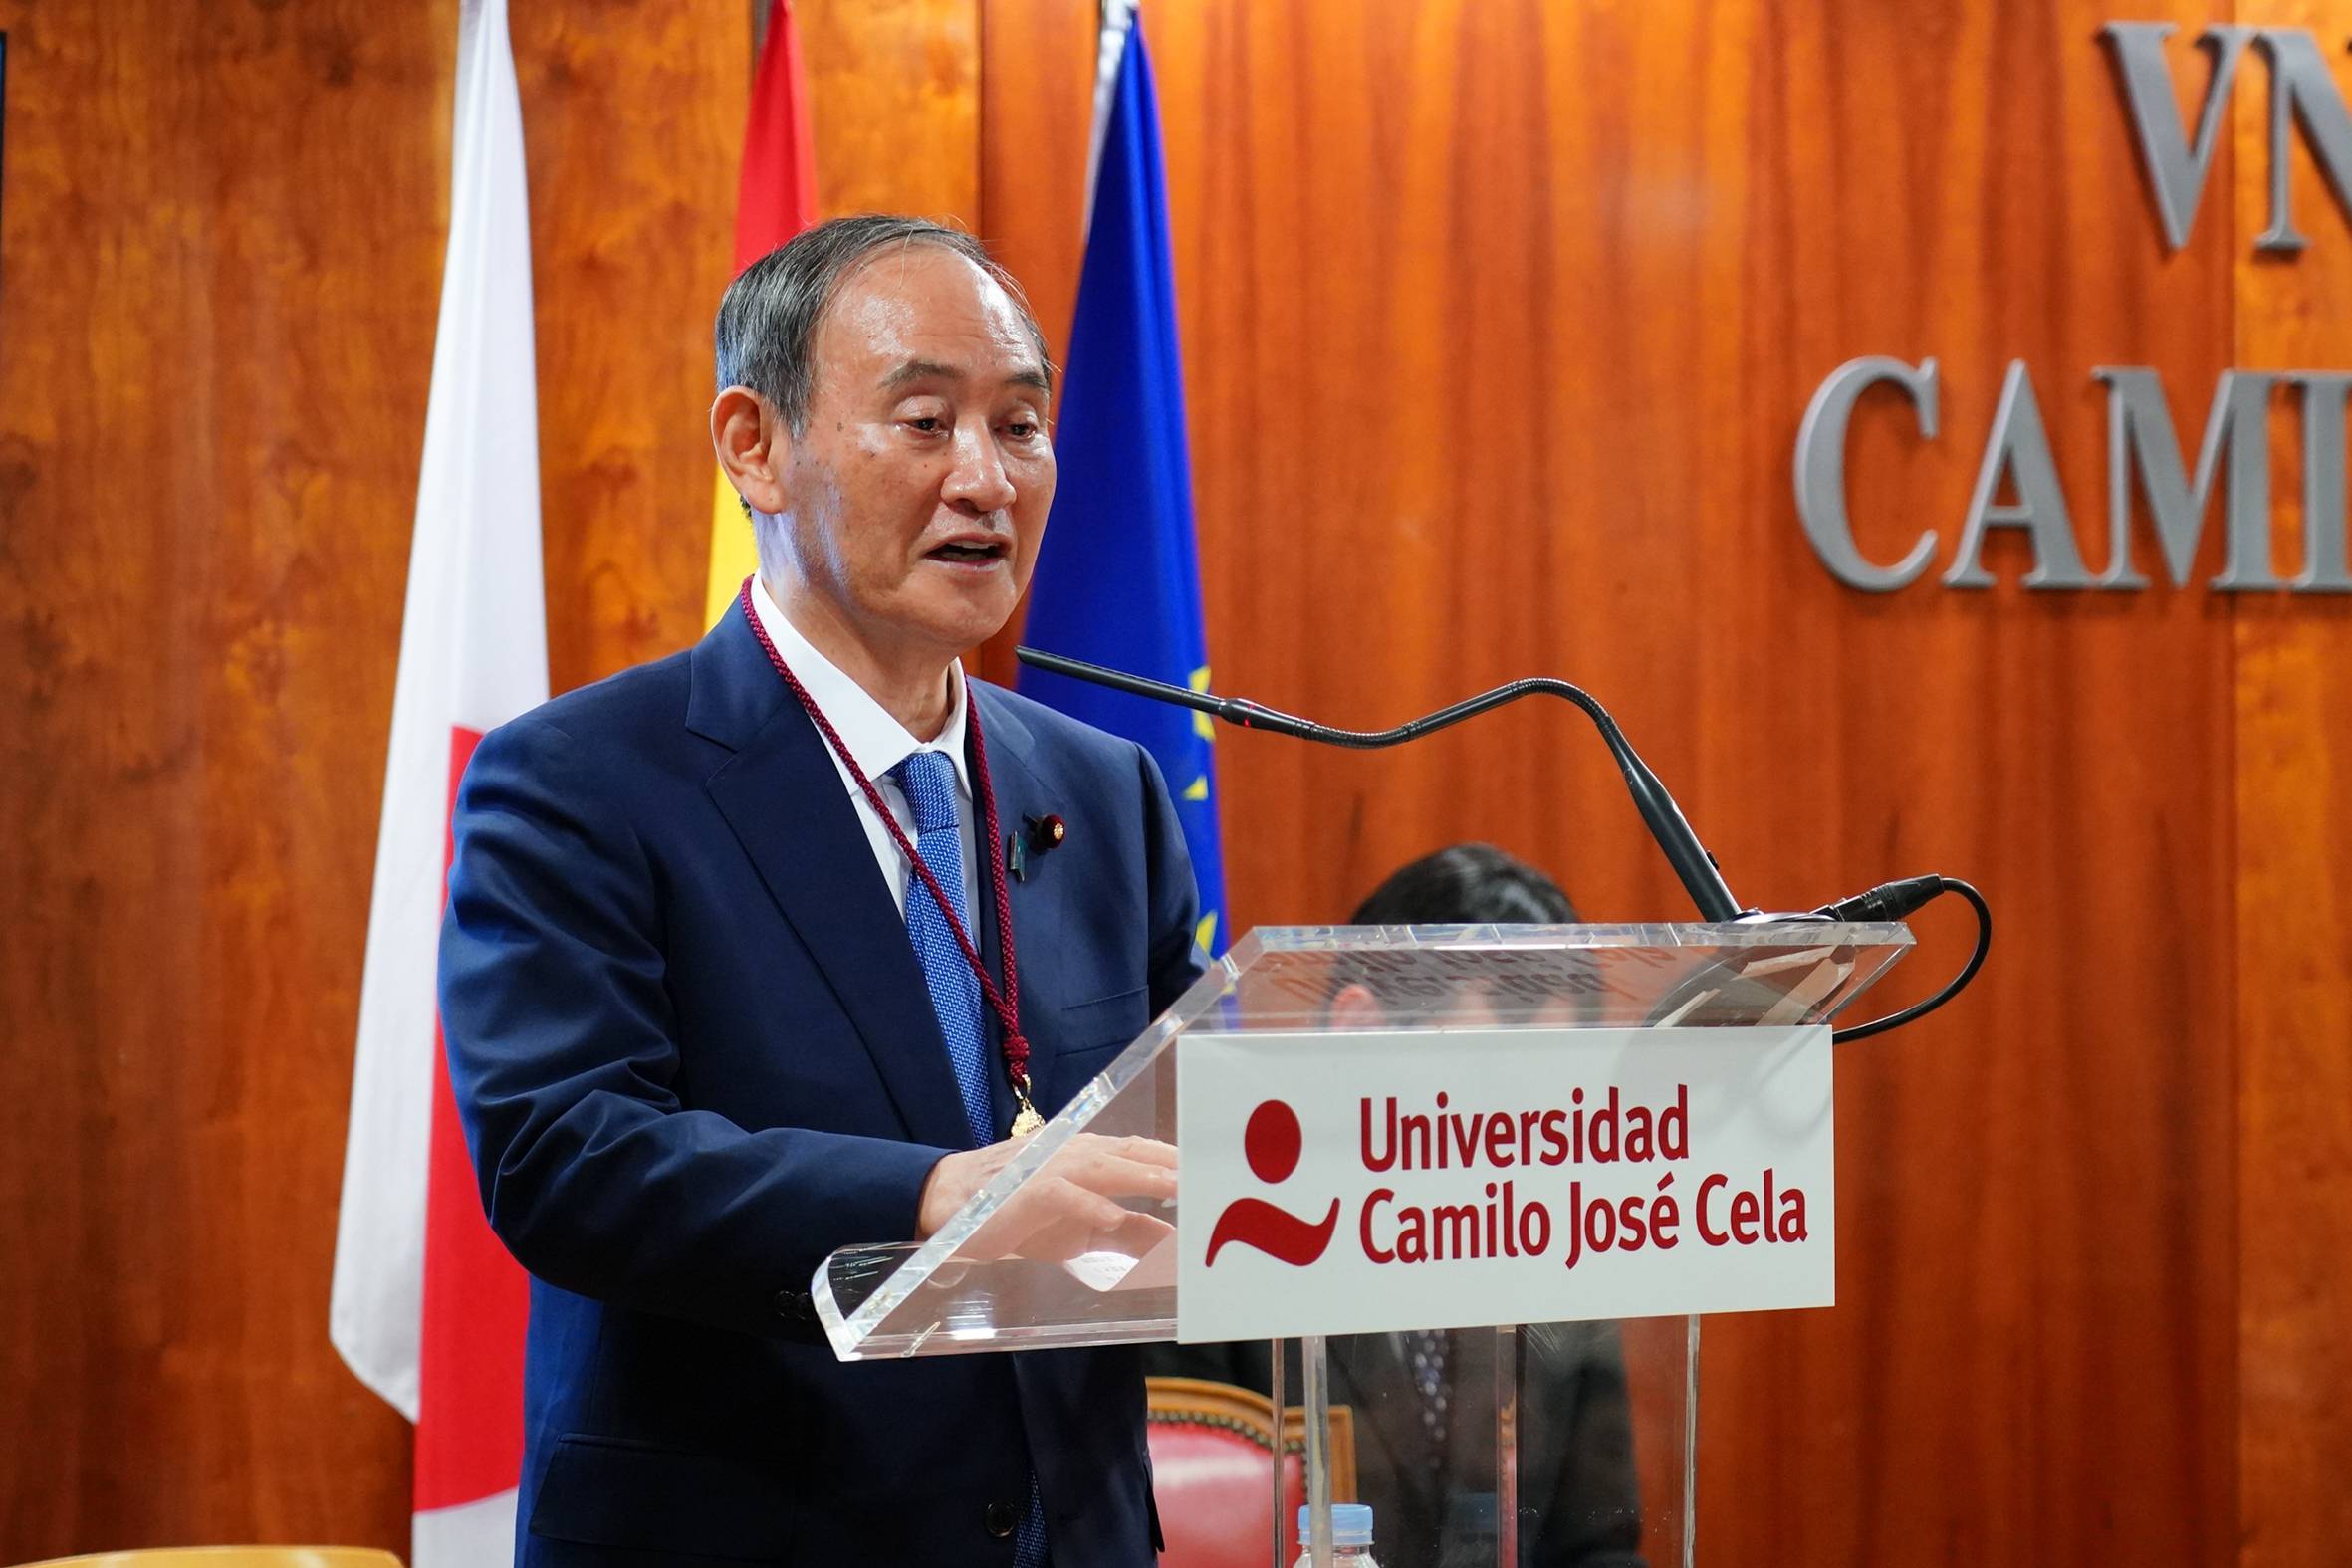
x=1118, y=16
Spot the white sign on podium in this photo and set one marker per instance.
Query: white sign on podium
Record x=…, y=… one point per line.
x=1354, y=1182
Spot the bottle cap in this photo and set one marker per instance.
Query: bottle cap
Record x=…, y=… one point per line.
x=1351, y=1523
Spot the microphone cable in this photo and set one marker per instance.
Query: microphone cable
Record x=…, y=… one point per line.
x=1894, y=901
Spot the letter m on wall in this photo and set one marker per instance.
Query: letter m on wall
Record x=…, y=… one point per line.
x=2303, y=94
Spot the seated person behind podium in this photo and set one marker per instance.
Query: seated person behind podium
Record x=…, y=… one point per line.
x=708, y=1020
x=1425, y=1461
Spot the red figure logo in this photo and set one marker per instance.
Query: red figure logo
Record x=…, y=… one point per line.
x=1270, y=1142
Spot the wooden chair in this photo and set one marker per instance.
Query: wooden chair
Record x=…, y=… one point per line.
x=231, y=1557
x=1211, y=1443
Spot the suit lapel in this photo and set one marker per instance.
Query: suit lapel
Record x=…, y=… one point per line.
x=783, y=797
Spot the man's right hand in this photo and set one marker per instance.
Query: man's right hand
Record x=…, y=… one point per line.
x=1067, y=1209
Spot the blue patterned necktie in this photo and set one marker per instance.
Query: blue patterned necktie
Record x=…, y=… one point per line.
x=928, y=780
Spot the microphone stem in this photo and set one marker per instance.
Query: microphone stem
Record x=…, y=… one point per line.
x=1691, y=864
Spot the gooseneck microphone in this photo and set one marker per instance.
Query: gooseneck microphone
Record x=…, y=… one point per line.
x=1691, y=861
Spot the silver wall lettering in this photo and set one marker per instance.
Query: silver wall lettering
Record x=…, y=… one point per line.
x=2143, y=444
x=2302, y=90
x=1820, y=469
x=2020, y=448
x=2142, y=440
x=2323, y=482
x=2175, y=167
x=2247, y=562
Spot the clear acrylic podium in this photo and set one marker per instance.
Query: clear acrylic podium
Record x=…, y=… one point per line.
x=1548, y=1432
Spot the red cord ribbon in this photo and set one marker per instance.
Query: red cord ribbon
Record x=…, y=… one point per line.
x=1006, y=1002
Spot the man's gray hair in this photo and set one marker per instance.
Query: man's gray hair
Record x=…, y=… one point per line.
x=767, y=327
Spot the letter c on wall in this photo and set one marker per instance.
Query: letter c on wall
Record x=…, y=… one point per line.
x=1821, y=469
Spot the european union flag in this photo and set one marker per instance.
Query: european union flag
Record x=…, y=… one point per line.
x=1119, y=580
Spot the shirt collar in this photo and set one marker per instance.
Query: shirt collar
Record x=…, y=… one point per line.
x=874, y=737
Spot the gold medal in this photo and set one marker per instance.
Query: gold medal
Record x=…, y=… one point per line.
x=1025, y=1120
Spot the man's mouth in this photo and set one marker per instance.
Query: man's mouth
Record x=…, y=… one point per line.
x=970, y=551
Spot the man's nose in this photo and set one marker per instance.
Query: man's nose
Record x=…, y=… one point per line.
x=978, y=480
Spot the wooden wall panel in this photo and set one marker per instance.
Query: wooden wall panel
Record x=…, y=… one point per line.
x=2293, y=826
x=1498, y=322
x=2030, y=1357
x=632, y=117
x=223, y=242
x=220, y=279
x=894, y=99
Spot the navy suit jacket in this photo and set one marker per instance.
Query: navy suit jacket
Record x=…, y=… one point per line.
x=694, y=1054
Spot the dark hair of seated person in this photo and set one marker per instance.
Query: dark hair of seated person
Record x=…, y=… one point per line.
x=1462, y=885
x=1466, y=885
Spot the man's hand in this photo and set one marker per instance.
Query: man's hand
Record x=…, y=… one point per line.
x=1067, y=1209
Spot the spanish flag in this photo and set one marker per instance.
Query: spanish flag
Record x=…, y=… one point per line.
x=776, y=199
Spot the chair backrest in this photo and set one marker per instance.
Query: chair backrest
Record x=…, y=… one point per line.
x=231, y=1557
x=1211, y=1443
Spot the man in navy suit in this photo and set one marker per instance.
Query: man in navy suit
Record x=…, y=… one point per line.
x=709, y=1017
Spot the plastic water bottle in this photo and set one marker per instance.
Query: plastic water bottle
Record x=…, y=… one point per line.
x=1351, y=1536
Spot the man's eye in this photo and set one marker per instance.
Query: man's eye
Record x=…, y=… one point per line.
x=1021, y=429
x=928, y=423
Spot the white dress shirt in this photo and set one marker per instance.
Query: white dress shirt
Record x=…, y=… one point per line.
x=879, y=742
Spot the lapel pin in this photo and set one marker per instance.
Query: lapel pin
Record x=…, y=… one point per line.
x=1038, y=835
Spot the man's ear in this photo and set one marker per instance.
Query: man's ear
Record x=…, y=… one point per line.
x=1355, y=1007
x=752, y=446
